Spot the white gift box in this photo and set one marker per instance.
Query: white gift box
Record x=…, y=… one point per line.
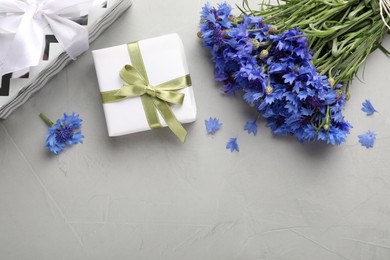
x=20, y=85
x=164, y=60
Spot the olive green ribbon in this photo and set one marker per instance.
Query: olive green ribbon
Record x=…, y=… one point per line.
x=153, y=97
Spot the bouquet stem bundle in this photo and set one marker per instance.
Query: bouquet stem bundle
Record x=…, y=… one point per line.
x=341, y=33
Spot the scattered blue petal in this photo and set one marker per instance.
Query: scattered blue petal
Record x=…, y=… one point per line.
x=212, y=125
x=368, y=108
x=367, y=139
x=251, y=127
x=232, y=145
x=64, y=132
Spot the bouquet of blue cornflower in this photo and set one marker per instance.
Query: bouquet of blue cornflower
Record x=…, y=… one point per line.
x=293, y=62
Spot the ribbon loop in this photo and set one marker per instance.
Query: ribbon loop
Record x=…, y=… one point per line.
x=132, y=76
x=154, y=98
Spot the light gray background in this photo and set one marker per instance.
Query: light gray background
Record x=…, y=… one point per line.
x=147, y=196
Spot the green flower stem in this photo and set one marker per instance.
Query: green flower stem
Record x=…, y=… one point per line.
x=46, y=119
x=341, y=33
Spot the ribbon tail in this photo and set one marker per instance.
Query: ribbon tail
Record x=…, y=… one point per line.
x=72, y=36
x=150, y=111
x=172, y=97
x=170, y=119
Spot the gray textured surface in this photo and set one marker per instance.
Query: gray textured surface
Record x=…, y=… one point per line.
x=146, y=196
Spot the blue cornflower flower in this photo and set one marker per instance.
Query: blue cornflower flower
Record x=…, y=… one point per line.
x=367, y=139
x=289, y=77
x=223, y=13
x=224, y=10
x=244, y=50
x=277, y=68
x=208, y=13
x=232, y=145
x=230, y=87
x=62, y=133
x=252, y=20
x=251, y=127
x=335, y=136
x=252, y=96
x=212, y=125
x=368, y=108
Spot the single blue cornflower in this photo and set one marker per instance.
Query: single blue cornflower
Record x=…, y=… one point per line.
x=65, y=132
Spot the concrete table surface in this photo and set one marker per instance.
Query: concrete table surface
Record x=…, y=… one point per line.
x=147, y=196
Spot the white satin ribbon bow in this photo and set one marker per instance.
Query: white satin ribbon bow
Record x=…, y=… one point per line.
x=22, y=24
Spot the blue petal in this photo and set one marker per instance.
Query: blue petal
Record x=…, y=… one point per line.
x=212, y=125
x=367, y=139
x=368, y=108
x=232, y=145
x=252, y=96
x=251, y=127
x=289, y=77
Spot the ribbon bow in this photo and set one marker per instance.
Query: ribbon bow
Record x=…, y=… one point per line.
x=153, y=97
x=22, y=24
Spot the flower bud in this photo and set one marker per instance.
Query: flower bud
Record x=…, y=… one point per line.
x=233, y=19
x=256, y=43
x=269, y=90
x=339, y=93
x=273, y=29
x=199, y=34
x=348, y=96
x=263, y=54
x=326, y=127
x=331, y=82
